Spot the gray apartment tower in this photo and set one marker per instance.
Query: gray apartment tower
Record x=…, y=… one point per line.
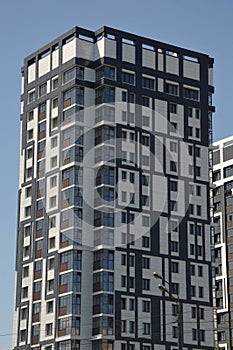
x=223, y=233
x=114, y=185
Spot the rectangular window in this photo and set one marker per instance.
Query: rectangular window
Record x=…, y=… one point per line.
x=42, y=89
x=173, y=108
x=128, y=78
x=173, y=185
x=191, y=94
x=148, y=83
x=171, y=89
x=145, y=306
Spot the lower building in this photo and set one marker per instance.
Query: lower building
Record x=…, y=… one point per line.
x=223, y=239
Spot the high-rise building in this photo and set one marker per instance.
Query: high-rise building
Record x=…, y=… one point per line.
x=223, y=241
x=114, y=185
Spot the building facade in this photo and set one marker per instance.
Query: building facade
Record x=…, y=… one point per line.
x=114, y=185
x=223, y=199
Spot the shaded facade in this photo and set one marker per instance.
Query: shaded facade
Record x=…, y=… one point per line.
x=223, y=199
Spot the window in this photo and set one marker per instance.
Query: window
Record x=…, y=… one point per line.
x=193, y=291
x=128, y=78
x=55, y=103
x=145, y=284
x=173, y=205
x=173, y=185
x=173, y=108
x=194, y=334
x=49, y=307
x=107, y=72
x=146, y=101
x=131, y=178
x=131, y=304
x=174, y=246
x=55, y=83
x=175, y=288
x=171, y=89
x=148, y=83
x=191, y=249
x=23, y=335
x=174, y=309
x=200, y=292
x=24, y=313
x=73, y=73
x=192, y=270
x=54, y=142
x=199, y=210
x=190, y=131
x=194, y=312
x=131, y=282
x=201, y=313
x=131, y=326
x=30, y=134
x=145, y=200
x=52, y=222
x=29, y=153
x=49, y=329
x=145, y=221
x=173, y=166
x=42, y=89
x=173, y=127
x=50, y=285
x=123, y=303
x=199, y=250
x=25, y=271
x=190, y=150
x=123, y=259
x=202, y=335
x=198, y=190
x=30, y=116
x=174, y=267
x=131, y=260
x=53, y=162
x=173, y=146
x=28, y=192
x=31, y=96
x=198, y=152
x=51, y=263
x=145, y=242
x=27, y=211
x=24, y=292
x=145, y=306
x=53, y=202
x=123, y=281
x=123, y=217
x=174, y=332
x=145, y=263
x=145, y=328
x=145, y=121
x=53, y=181
x=200, y=271
x=124, y=96
x=191, y=94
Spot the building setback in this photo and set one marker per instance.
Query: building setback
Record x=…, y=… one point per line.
x=223, y=232
x=114, y=185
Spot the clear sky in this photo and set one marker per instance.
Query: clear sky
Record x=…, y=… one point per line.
x=25, y=26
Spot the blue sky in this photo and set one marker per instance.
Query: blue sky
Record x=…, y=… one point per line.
x=25, y=26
